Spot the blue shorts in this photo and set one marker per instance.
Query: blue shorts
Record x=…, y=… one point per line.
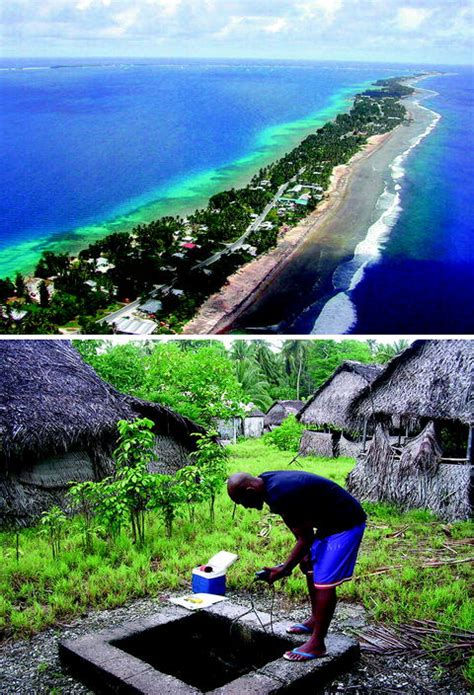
x=333, y=558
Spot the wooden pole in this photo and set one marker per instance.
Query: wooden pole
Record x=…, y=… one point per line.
x=470, y=446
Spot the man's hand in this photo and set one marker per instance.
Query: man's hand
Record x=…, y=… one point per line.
x=276, y=573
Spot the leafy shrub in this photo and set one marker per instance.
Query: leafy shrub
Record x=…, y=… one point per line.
x=287, y=436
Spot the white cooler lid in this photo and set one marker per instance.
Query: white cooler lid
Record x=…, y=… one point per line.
x=222, y=560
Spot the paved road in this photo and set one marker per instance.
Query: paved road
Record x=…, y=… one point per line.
x=114, y=316
x=251, y=228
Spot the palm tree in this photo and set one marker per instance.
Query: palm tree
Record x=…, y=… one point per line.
x=241, y=350
x=385, y=353
x=269, y=362
x=253, y=383
x=294, y=353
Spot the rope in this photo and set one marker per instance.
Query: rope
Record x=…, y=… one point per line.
x=253, y=609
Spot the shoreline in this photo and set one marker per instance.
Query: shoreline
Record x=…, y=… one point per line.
x=222, y=309
x=247, y=288
x=339, y=313
x=273, y=141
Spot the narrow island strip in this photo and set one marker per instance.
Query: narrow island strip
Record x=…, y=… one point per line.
x=219, y=313
x=195, y=275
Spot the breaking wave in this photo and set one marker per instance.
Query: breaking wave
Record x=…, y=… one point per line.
x=339, y=314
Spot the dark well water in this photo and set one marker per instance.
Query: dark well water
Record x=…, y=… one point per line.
x=204, y=650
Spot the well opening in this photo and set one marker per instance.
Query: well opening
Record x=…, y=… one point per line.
x=204, y=650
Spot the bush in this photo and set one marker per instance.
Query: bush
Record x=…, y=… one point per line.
x=287, y=436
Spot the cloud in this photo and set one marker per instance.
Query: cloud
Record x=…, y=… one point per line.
x=276, y=26
x=387, y=30
x=170, y=7
x=411, y=18
x=320, y=9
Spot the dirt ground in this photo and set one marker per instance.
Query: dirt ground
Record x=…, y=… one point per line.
x=32, y=667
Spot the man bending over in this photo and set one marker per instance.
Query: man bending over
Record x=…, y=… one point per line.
x=326, y=556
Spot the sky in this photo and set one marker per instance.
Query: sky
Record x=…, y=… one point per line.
x=411, y=31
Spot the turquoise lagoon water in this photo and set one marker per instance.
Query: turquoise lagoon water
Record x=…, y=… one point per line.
x=87, y=149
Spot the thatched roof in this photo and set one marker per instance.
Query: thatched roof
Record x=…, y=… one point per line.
x=256, y=412
x=52, y=401
x=430, y=379
x=330, y=403
x=280, y=410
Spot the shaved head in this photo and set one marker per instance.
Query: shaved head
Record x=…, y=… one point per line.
x=246, y=489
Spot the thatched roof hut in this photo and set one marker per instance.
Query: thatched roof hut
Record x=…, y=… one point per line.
x=430, y=388
x=58, y=423
x=279, y=411
x=329, y=408
x=330, y=404
x=431, y=379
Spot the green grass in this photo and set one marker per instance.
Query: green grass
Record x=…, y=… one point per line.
x=37, y=592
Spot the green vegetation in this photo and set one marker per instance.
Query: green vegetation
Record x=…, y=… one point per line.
x=132, y=492
x=287, y=436
x=167, y=258
x=202, y=379
x=393, y=582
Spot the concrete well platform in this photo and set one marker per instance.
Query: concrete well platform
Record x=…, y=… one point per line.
x=221, y=650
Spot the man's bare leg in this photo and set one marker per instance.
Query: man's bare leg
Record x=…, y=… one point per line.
x=323, y=603
x=309, y=622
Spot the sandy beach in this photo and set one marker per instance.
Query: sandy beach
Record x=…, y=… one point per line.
x=297, y=274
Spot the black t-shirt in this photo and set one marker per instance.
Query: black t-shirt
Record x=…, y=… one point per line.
x=301, y=496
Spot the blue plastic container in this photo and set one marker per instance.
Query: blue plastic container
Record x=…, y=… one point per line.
x=208, y=582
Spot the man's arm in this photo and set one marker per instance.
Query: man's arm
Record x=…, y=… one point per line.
x=303, y=531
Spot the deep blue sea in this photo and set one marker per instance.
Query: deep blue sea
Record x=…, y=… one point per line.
x=117, y=143
x=91, y=147
x=424, y=281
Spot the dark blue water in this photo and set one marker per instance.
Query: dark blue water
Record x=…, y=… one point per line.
x=83, y=144
x=424, y=282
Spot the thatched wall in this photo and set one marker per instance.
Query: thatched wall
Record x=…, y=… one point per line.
x=316, y=444
x=348, y=448
x=58, y=423
x=171, y=455
x=416, y=479
x=330, y=404
x=21, y=504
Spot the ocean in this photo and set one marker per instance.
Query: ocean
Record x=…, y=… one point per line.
x=422, y=281
x=92, y=147
x=88, y=148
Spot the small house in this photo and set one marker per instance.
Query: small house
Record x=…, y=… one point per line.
x=254, y=423
x=328, y=412
x=429, y=389
x=229, y=429
x=134, y=325
x=279, y=411
x=58, y=423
